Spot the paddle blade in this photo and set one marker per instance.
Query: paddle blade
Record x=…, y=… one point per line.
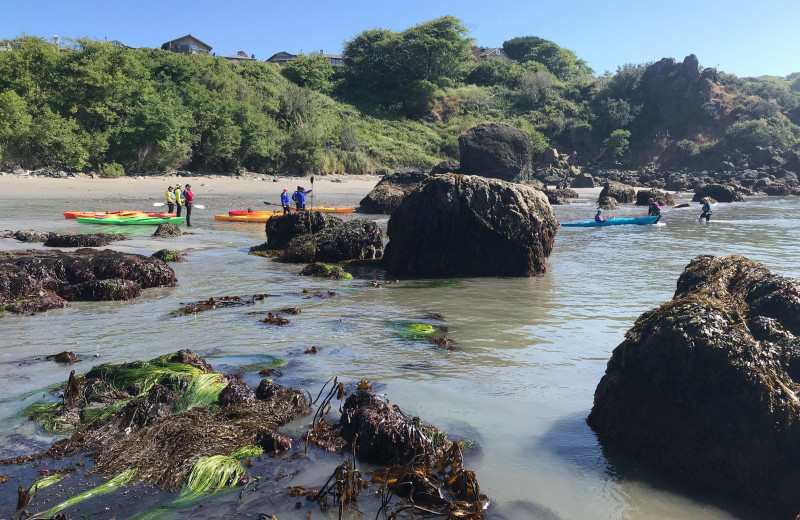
x=159, y=204
x=199, y=206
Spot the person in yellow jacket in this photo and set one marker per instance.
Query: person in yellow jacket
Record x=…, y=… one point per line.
x=178, y=199
x=170, y=199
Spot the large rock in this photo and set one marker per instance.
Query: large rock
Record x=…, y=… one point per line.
x=85, y=274
x=446, y=167
x=496, y=150
x=30, y=235
x=280, y=229
x=718, y=192
x=623, y=193
x=84, y=240
x=387, y=194
x=167, y=230
x=582, y=180
x=357, y=239
x=706, y=385
x=664, y=199
x=460, y=225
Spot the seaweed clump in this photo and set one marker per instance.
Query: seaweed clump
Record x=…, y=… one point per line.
x=326, y=271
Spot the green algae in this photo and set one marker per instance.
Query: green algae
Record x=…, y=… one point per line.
x=416, y=331
x=47, y=481
x=326, y=271
x=103, y=489
x=47, y=413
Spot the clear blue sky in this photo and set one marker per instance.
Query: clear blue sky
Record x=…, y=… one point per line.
x=744, y=37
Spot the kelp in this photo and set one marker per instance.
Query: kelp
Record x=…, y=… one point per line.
x=219, y=472
x=274, y=319
x=45, y=482
x=103, y=489
x=218, y=303
x=48, y=414
x=343, y=486
x=444, y=489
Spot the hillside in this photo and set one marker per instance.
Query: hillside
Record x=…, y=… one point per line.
x=400, y=101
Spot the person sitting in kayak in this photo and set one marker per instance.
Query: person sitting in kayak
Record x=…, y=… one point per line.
x=599, y=216
x=655, y=209
x=285, y=201
x=706, y=214
x=170, y=199
x=299, y=198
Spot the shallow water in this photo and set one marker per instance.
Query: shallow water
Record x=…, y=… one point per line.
x=520, y=381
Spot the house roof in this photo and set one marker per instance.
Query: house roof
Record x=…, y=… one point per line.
x=335, y=56
x=281, y=54
x=166, y=44
x=239, y=57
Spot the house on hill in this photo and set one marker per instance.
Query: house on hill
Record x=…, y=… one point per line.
x=239, y=57
x=283, y=57
x=483, y=53
x=187, y=45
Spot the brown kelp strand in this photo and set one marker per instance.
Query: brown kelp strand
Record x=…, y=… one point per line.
x=218, y=303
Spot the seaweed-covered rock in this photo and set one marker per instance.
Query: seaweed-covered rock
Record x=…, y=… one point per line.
x=281, y=229
x=167, y=255
x=326, y=271
x=85, y=240
x=357, y=239
x=7, y=233
x=237, y=391
x=622, y=192
x=582, y=180
x=608, y=203
x=29, y=235
x=385, y=434
x=387, y=194
x=664, y=199
x=111, y=289
x=461, y=225
x=496, y=150
x=167, y=230
x=560, y=196
x=35, y=303
x=705, y=385
x=82, y=274
x=718, y=192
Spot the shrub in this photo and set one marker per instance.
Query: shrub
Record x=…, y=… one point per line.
x=110, y=170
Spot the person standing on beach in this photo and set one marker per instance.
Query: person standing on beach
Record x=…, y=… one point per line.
x=286, y=202
x=188, y=197
x=299, y=198
x=170, y=199
x=178, y=199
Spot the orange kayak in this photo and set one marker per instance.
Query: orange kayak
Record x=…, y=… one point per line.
x=251, y=217
x=328, y=209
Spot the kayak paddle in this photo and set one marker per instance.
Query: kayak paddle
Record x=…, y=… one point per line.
x=159, y=204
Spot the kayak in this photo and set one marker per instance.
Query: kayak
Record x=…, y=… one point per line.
x=614, y=222
x=102, y=214
x=131, y=221
x=251, y=217
x=236, y=213
x=321, y=209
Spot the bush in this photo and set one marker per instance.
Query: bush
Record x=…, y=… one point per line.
x=110, y=170
x=313, y=71
x=745, y=136
x=687, y=149
x=617, y=143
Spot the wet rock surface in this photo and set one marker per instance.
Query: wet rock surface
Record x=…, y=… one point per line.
x=560, y=196
x=496, y=150
x=387, y=194
x=167, y=255
x=326, y=271
x=357, y=239
x=29, y=235
x=705, y=385
x=32, y=281
x=583, y=180
x=167, y=230
x=84, y=240
x=718, y=192
x=608, y=203
x=663, y=198
x=623, y=193
x=281, y=229
x=459, y=225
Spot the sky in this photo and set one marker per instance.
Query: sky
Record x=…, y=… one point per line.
x=743, y=37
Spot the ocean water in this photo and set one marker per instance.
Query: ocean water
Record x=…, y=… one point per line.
x=520, y=380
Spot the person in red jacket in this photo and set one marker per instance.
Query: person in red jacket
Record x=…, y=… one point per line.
x=188, y=201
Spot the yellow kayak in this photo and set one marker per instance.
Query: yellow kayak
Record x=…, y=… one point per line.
x=251, y=217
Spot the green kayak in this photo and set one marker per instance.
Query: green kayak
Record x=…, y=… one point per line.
x=131, y=221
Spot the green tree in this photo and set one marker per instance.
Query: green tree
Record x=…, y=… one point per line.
x=15, y=122
x=313, y=71
x=616, y=144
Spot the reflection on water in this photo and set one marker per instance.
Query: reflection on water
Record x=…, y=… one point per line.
x=528, y=352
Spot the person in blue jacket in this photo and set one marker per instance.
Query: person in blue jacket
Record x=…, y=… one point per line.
x=599, y=216
x=285, y=201
x=299, y=198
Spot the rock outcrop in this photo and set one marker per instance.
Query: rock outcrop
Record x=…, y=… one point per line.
x=623, y=193
x=84, y=240
x=387, y=194
x=559, y=196
x=706, y=385
x=582, y=180
x=496, y=150
x=461, y=225
x=718, y=192
x=29, y=235
x=608, y=203
x=32, y=281
x=664, y=199
x=167, y=230
x=281, y=229
x=357, y=239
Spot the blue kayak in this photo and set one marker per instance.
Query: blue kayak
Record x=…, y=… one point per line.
x=615, y=222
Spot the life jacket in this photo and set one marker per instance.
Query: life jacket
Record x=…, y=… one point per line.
x=285, y=199
x=188, y=196
x=598, y=218
x=170, y=197
x=178, y=197
x=706, y=207
x=299, y=197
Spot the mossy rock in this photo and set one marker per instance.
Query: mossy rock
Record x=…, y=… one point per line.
x=167, y=255
x=326, y=271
